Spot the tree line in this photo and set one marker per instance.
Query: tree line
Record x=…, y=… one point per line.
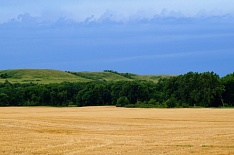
x=189, y=90
x=126, y=75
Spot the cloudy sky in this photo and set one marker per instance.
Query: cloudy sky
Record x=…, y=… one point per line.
x=143, y=37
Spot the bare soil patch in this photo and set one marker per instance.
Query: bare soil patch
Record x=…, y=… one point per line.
x=111, y=130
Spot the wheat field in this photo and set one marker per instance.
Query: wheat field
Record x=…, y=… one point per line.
x=111, y=130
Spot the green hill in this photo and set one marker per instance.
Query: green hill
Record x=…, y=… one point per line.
x=101, y=76
x=39, y=76
x=44, y=76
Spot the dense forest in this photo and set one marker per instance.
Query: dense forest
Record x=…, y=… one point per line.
x=189, y=90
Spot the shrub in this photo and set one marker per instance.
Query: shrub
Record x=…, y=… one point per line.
x=122, y=101
x=152, y=101
x=130, y=106
x=171, y=103
x=185, y=105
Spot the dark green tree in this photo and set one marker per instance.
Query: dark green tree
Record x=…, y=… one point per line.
x=228, y=94
x=4, y=99
x=122, y=102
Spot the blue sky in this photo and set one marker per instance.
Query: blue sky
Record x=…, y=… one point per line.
x=143, y=37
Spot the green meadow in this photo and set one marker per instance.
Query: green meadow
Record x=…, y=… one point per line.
x=46, y=76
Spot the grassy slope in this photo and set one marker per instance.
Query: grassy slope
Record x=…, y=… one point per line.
x=54, y=76
x=153, y=78
x=107, y=76
x=40, y=76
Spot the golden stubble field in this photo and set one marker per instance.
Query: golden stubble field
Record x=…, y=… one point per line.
x=111, y=130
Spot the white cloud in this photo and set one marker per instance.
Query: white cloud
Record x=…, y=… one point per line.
x=80, y=10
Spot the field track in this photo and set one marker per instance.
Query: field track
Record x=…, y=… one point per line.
x=111, y=130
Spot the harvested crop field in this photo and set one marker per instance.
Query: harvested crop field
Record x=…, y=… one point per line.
x=111, y=130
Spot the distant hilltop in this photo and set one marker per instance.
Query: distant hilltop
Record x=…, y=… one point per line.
x=45, y=76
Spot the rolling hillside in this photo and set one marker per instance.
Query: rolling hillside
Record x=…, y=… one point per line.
x=44, y=76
